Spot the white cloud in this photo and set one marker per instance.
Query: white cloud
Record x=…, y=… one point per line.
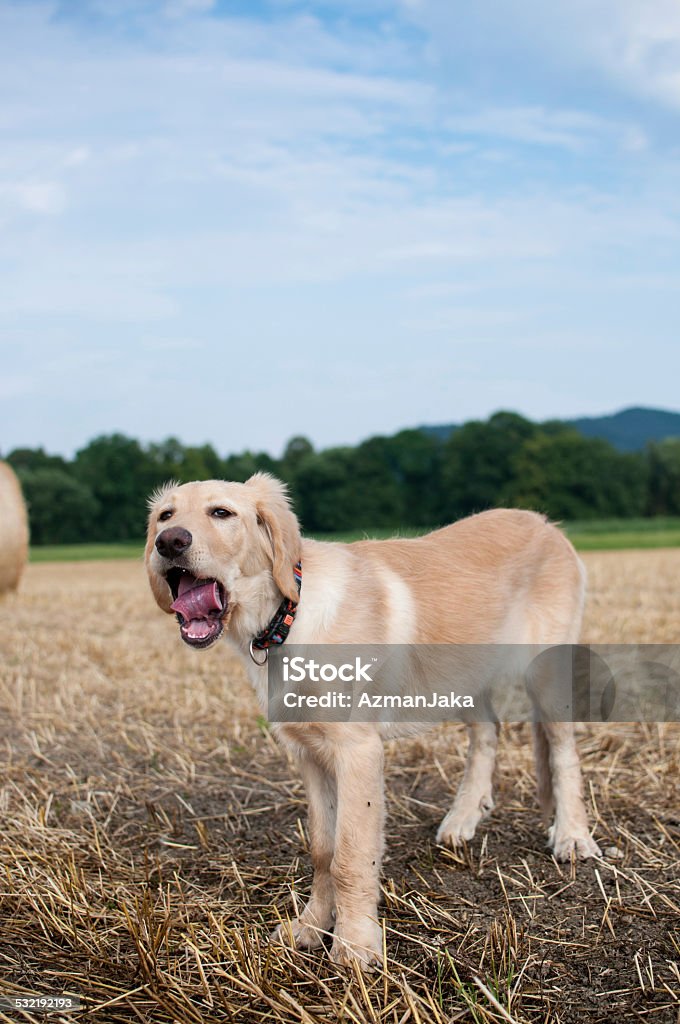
x=567, y=129
x=638, y=44
x=184, y=8
x=633, y=44
x=37, y=197
x=76, y=157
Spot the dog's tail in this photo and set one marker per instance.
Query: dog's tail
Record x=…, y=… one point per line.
x=544, y=787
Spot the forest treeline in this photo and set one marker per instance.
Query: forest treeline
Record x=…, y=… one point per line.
x=409, y=479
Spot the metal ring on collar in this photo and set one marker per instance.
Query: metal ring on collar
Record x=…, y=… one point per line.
x=264, y=651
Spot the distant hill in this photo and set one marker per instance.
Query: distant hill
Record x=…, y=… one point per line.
x=628, y=430
x=631, y=429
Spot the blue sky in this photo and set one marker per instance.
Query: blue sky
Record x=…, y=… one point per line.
x=236, y=222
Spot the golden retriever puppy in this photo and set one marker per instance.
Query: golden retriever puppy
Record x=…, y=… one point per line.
x=225, y=558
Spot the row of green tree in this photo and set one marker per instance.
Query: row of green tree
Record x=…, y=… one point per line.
x=408, y=479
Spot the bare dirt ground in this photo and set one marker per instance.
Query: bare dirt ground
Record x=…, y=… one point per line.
x=152, y=834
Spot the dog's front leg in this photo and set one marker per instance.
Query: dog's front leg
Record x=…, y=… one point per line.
x=355, y=868
x=316, y=919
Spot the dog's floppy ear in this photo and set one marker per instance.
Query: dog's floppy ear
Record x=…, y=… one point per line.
x=159, y=587
x=276, y=517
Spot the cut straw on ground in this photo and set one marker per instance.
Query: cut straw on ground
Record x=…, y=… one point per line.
x=153, y=834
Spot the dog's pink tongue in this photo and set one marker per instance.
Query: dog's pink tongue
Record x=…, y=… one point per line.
x=198, y=602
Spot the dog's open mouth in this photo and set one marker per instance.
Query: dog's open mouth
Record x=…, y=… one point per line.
x=200, y=606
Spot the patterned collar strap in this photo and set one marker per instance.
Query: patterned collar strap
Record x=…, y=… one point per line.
x=279, y=627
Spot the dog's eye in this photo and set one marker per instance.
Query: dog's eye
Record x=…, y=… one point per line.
x=221, y=513
x=167, y=514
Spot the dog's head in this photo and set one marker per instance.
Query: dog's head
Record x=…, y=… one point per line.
x=213, y=546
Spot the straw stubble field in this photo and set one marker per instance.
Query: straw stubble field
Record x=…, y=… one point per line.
x=153, y=833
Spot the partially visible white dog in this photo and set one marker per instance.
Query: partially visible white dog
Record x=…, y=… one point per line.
x=223, y=557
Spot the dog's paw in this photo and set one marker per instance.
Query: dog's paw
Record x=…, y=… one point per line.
x=299, y=934
x=359, y=943
x=566, y=845
x=460, y=824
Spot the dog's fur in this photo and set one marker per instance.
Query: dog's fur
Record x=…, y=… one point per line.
x=500, y=577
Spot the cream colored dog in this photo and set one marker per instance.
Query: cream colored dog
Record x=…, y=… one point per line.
x=222, y=556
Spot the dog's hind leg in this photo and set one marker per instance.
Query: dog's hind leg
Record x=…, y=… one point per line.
x=560, y=785
x=570, y=833
x=474, y=799
x=544, y=789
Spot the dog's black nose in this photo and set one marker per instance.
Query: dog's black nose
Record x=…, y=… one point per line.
x=173, y=542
